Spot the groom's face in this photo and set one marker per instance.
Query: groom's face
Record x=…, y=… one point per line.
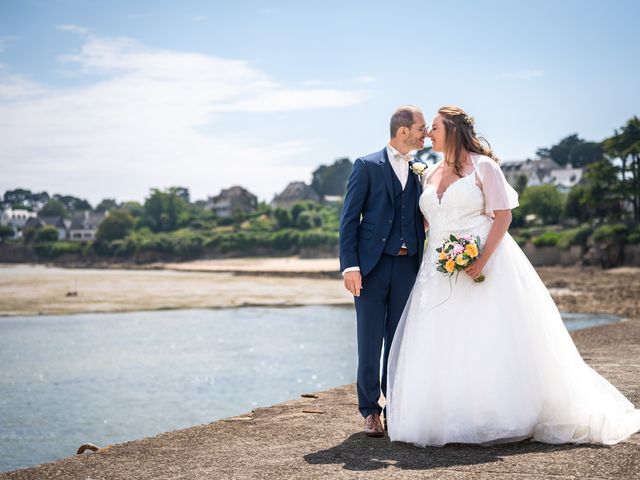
x=417, y=133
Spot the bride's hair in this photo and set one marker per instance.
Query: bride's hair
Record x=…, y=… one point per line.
x=461, y=137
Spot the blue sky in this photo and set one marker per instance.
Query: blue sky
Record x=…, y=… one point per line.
x=107, y=98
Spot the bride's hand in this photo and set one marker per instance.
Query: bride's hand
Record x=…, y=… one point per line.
x=475, y=269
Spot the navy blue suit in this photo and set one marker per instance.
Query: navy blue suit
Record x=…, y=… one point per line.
x=378, y=217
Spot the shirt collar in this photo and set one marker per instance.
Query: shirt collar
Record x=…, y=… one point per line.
x=396, y=155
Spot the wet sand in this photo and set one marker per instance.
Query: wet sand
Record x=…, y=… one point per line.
x=40, y=290
x=36, y=289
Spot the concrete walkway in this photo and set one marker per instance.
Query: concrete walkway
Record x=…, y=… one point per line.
x=321, y=438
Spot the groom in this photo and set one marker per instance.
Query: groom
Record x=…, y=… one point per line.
x=381, y=243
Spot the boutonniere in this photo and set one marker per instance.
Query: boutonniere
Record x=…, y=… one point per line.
x=418, y=167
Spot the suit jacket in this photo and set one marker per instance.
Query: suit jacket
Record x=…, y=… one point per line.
x=367, y=213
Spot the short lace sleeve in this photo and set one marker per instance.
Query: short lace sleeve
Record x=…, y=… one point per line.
x=498, y=194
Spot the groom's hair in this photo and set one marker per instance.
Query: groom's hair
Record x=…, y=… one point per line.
x=402, y=117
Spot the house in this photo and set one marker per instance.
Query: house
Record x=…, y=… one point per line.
x=543, y=171
x=16, y=219
x=566, y=178
x=61, y=224
x=536, y=171
x=293, y=193
x=84, y=225
x=232, y=200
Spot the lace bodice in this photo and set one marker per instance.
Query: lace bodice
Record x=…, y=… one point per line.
x=458, y=211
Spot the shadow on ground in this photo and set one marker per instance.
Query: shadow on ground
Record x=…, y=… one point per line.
x=361, y=453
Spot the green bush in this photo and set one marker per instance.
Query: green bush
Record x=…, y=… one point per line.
x=318, y=238
x=605, y=232
x=61, y=248
x=55, y=249
x=574, y=236
x=6, y=232
x=48, y=233
x=582, y=234
x=634, y=235
x=526, y=234
x=286, y=240
x=115, y=226
x=122, y=248
x=547, y=239
x=544, y=201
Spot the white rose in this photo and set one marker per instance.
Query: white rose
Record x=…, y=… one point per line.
x=419, y=167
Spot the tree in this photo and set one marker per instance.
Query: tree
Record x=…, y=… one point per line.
x=72, y=203
x=585, y=153
x=624, y=146
x=298, y=208
x=21, y=197
x=181, y=192
x=576, y=204
x=332, y=179
x=543, y=201
x=107, y=204
x=164, y=211
x=283, y=218
x=53, y=208
x=599, y=196
x=521, y=184
x=134, y=208
x=28, y=234
x=5, y=232
x=48, y=233
x=115, y=226
x=573, y=150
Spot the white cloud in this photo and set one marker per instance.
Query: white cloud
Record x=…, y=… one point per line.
x=152, y=118
x=527, y=74
x=73, y=28
x=6, y=41
x=365, y=79
x=14, y=87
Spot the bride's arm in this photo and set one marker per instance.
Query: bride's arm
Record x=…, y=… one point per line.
x=501, y=222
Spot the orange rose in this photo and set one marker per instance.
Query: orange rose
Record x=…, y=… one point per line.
x=449, y=266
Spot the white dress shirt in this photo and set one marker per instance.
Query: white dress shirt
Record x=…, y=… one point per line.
x=400, y=164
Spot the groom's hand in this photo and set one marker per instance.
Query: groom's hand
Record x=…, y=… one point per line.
x=353, y=282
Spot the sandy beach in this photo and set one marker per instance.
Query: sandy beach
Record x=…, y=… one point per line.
x=41, y=290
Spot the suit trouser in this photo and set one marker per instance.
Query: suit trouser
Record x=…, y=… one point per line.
x=385, y=291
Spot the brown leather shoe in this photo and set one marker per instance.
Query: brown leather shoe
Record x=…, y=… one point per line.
x=373, y=426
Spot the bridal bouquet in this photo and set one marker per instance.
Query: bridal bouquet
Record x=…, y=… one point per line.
x=456, y=254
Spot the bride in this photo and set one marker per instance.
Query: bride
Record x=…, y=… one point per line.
x=488, y=362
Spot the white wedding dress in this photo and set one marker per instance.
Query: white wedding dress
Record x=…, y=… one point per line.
x=491, y=362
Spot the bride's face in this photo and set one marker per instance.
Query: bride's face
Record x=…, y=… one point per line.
x=437, y=134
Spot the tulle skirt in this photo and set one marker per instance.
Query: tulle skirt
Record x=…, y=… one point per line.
x=492, y=362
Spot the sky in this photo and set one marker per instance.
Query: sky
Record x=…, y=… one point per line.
x=111, y=98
